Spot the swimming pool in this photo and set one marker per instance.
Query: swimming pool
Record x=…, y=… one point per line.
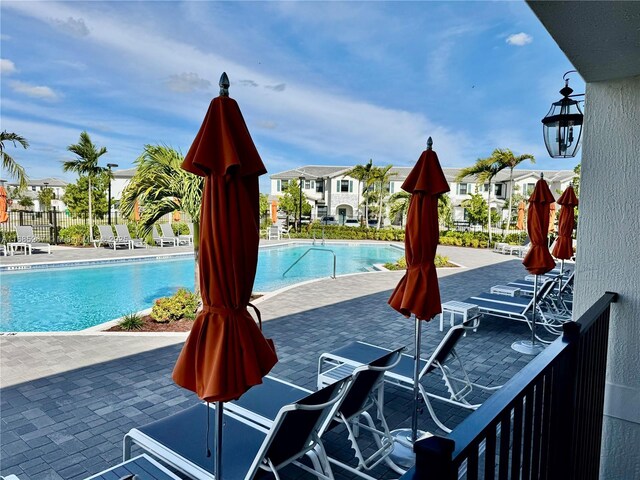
x=75, y=298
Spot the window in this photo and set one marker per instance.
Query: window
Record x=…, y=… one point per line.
x=529, y=188
x=498, y=189
x=463, y=188
x=391, y=187
x=320, y=186
x=33, y=188
x=313, y=185
x=345, y=185
x=307, y=184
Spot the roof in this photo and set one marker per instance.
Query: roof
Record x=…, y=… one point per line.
x=399, y=174
x=124, y=173
x=50, y=181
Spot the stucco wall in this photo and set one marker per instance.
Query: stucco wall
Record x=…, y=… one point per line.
x=609, y=257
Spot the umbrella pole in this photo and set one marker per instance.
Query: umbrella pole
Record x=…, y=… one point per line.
x=217, y=441
x=533, y=316
x=416, y=391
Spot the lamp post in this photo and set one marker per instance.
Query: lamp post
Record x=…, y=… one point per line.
x=301, y=180
x=109, y=165
x=45, y=188
x=562, y=126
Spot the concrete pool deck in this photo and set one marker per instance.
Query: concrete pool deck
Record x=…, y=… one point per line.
x=67, y=400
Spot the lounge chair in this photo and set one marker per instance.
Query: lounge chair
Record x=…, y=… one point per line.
x=444, y=360
x=167, y=232
x=359, y=398
x=109, y=239
x=187, y=238
x=519, y=308
x=122, y=231
x=25, y=235
x=161, y=240
x=273, y=232
x=247, y=446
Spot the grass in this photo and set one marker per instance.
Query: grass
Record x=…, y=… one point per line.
x=131, y=321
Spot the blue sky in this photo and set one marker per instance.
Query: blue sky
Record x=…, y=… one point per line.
x=325, y=83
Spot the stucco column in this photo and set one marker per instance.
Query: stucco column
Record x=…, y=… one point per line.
x=608, y=257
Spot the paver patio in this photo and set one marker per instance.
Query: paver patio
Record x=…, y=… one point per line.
x=67, y=400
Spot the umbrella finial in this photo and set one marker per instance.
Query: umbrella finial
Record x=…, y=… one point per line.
x=224, y=85
x=429, y=143
x=541, y=174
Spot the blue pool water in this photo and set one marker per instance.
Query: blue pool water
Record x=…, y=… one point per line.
x=75, y=298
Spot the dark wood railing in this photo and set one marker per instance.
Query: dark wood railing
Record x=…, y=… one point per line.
x=545, y=423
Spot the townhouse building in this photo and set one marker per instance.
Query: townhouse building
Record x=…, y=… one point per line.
x=35, y=186
x=331, y=191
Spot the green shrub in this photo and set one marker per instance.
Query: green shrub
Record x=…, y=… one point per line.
x=340, y=232
x=401, y=264
x=8, y=237
x=182, y=304
x=131, y=321
x=75, y=235
x=180, y=228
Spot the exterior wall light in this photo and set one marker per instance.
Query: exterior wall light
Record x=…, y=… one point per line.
x=562, y=127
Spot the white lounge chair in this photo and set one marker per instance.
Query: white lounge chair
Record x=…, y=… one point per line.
x=25, y=236
x=248, y=447
x=161, y=240
x=122, y=231
x=273, y=232
x=444, y=360
x=109, y=239
x=188, y=238
x=167, y=232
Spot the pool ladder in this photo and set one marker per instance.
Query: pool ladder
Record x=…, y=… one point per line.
x=305, y=253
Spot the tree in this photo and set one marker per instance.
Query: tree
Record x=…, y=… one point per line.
x=20, y=198
x=264, y=204
x=399, y=205
x=76, y=196
x=8, y=163
x=381, y=176
x=45, y=196
x=576, y=180
x=445, y=210
x=290, y=201
x=362, y=173
x=161, y=186
x=510, y=161
x=485, y=169
x=86, y=163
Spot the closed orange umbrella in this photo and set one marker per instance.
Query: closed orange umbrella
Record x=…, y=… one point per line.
x=552, y=217
x=4, y=216
x=566, y=223
x=418, y=292
x=520, y=222
x=225, y=353
x=274, y=211
x=176, y=216
x=538, y=260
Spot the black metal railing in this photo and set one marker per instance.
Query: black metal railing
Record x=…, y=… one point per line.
x=545, y=423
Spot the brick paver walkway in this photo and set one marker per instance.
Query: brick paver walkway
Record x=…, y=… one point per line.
x=67, y=400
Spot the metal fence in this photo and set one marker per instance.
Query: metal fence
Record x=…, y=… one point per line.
x=545, y=423
x=47, y=225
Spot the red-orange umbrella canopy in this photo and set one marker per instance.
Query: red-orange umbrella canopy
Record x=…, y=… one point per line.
x=274, y=211
x=176, y=216
x=4, y=216
x=520, y=222
x=225, y=353
x=552, y=217
x=566, y=223
x=538, y=260
x=418, y=291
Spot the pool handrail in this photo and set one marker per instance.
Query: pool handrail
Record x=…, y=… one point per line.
x=305, y=253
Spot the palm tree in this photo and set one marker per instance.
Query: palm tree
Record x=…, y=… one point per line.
x=510, y=161
x=381, y=176
x=362, y=173
x=162, y=186
x=485, y=169
x=8, y=163
x=86, y=163
x=399, y=204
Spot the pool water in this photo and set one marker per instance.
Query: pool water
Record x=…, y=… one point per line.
x=75, y=298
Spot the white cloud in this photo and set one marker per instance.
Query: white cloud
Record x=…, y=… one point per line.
x=187, y=83
x=7, y=66
x=72, y=26
x=34, y=90
x=277, y=88
x=5, y=37
x=519, y=39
